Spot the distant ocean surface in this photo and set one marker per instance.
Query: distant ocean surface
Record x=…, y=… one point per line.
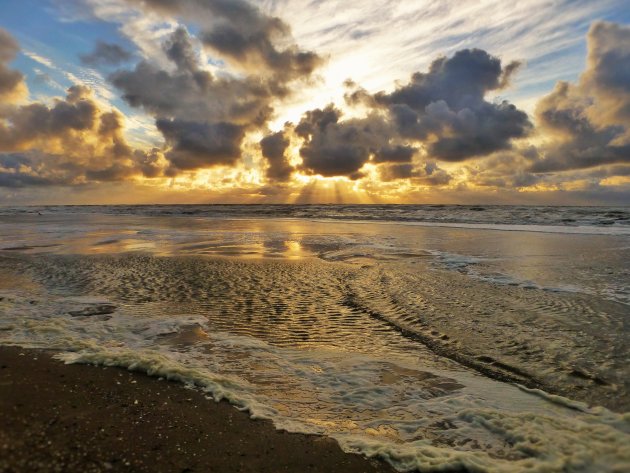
x=615, y=218
x=440, y=338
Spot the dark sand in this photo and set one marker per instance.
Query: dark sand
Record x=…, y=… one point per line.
x=77, y=418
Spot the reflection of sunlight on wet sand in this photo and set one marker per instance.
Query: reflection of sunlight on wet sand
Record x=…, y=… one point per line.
x=168, y=236
x=294, y=249
x=123, y=245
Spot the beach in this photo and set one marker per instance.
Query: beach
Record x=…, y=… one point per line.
x=58, y=417
x=291, y=236
x=420, y=345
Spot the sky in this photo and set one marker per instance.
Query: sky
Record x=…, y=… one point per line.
x=314, y=101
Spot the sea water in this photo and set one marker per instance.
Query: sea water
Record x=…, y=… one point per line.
x=435, y=337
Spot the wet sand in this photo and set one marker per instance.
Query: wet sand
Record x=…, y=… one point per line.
x=78, y=418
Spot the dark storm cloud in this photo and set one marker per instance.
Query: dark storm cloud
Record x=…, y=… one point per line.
x=446, y=107
x=273, y=149
x=203, y=117
x=244, y=35
x=460, y=81
x=193, y=95
x=332, y=147
x=343, y=158
x=394, y=154
x=179, y=49
x=589, y=122
x=107, y=54
x=194, y=145
x=428, y=174
x=396, y=171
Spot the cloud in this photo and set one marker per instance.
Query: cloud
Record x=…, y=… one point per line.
x=443, y=111
x=197, y=112
x=196, y=145
x=588, y=123
x=394, y=154
x=72, y=141
x=12, y=85
x=214, y=86
x=205, y=117
x=406, y=36
x=427, y=174
x=607, y=74
x=190, y=92
x=396, y=171
x=504, y=170
x=273, y=149
x=332, y=147
x=29, y=124
x=44, y=61
x=107, y=54
x=242, y=34
x=446, y=107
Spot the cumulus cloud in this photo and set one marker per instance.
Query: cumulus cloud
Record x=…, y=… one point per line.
x=196, y=145
x=397, y=171
x=107, y=54
x=442, y=112
x=203, y=117
x=215, y=84
x=335, y=147
x=71, y=141
x=394, y=154
x=504, y=170
x=245, y=36
x=607, y=75
x=446, y=107
x=274, y=147
x=425, y=174
x=587, y=124
x=63, y=122
x=12, y=85
x=189, y=92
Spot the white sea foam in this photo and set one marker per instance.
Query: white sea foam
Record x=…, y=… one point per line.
x=414, y=413
x=316, y=346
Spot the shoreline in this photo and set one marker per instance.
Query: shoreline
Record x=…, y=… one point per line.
x=83, y=418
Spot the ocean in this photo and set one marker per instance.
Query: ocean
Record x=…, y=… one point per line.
x=485, y=338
